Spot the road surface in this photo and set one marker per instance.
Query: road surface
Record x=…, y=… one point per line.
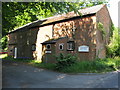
x=17, y=75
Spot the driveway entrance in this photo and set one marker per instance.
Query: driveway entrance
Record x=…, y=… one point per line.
x=18, y=75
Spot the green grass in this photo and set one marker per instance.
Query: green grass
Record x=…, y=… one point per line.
x=35, y=63
x=95, y=66
x=49, y=66
x=87, y=67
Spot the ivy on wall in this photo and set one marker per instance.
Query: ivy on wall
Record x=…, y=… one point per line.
x=102, y=30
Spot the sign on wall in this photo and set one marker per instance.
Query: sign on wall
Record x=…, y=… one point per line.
x=47, y=51
x=83, y=48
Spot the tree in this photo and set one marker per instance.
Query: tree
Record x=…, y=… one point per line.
x=114, y=46
x=16, y=14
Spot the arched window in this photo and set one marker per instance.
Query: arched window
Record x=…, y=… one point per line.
x=61, y=46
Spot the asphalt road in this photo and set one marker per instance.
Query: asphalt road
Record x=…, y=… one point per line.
x=17, y=75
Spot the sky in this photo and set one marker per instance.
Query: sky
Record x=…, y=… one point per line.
x=113, y=10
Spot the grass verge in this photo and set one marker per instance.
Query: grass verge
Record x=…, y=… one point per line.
x=96, y=66
x=35, y=63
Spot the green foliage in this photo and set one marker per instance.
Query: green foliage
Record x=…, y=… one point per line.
x=112, y=28
x=95, y=66
x=50, y=66
x=16, y=14
x=101, y=28
x=65, y=61
x=113, y=49
x=3, y=42
x=17, y=59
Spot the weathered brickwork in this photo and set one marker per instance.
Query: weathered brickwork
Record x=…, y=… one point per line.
x=83, y=34
x=82, y=30
x=23, y=40
x=104, y=18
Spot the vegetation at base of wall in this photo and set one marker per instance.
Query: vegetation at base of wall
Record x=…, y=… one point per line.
x=49, y=66
x=113, y=48
x=65, y=61
x=35, y=63
x=95, y=66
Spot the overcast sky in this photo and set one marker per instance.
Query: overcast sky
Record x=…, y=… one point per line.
x=113, y=9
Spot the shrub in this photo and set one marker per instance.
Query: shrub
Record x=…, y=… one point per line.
x=113, y=49
x=95, y=66
x=65, y=61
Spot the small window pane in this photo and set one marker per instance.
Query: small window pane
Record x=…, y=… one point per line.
x=70, y=46
x=33, y=47
x=48, y=46
x=61, y=46
x=11, y=50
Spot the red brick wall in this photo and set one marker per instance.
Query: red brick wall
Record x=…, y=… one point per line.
x=49, y=57
x=64, y=42
x=84, y=35
x=104, y=18
x=23, y=40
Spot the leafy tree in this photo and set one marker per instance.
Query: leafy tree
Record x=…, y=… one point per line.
x=113, y=48
x=3, y=42
x=16, y=14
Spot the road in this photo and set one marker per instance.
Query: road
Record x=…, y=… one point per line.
x=17, y=75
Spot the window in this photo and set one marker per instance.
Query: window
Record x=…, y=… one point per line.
x=33, y=47
x=11, y=50
x=48, y=46
x=61, y=46
x=70, y=45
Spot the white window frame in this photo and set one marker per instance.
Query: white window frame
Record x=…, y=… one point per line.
x=47, y=46
x=61, y=44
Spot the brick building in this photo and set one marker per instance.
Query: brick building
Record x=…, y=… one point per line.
x=68, y=33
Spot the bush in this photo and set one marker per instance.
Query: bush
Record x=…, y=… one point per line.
x=65, y=61
x=96, y=66
x=113, y=49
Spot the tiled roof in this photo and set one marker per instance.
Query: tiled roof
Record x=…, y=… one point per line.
x=52, y=41
x=49, y=42
x=86, y=11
